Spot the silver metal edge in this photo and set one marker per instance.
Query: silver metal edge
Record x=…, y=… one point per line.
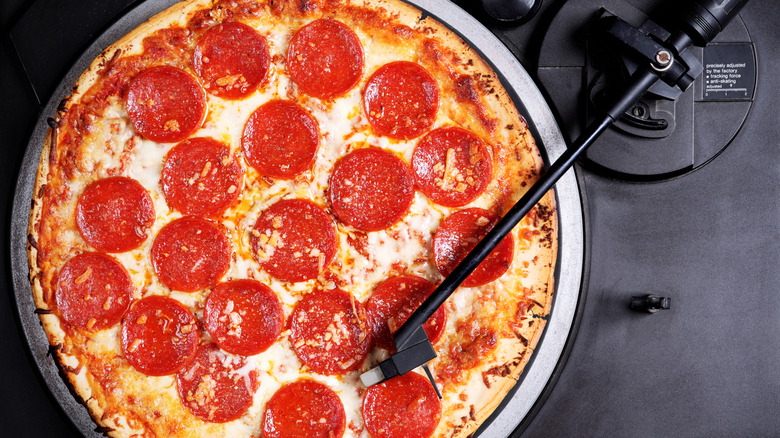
x=571, y=244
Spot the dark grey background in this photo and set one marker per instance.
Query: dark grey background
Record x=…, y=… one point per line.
x=710, y=240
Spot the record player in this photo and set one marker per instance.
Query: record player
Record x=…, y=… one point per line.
x=666, y=320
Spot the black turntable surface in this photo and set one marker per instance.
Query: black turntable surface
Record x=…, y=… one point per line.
x=680, y=201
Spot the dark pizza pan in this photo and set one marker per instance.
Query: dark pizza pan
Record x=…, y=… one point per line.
x=539, y=373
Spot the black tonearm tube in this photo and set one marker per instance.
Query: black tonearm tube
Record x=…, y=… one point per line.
x=697, y=23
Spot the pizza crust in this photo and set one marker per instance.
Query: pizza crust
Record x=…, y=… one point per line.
x=468, y=87
x=132, y=43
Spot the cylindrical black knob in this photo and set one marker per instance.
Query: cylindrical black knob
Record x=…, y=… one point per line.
x=702, y=20
x=650, y=303
x=511, y=12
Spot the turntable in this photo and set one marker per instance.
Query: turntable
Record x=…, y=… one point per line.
x=666, y=318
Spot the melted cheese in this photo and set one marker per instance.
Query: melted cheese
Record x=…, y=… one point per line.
x=343, y=127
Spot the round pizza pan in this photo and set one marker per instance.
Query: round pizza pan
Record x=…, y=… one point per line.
x=538, y=373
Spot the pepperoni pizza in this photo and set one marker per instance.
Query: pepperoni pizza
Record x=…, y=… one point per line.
x=242, y=200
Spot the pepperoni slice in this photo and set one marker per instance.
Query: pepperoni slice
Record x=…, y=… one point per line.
x=393, y=302
x=401, y=99
x=452, y=166
x=329, y=333
x=114, y=214
x=191, y=253
x=325, y=59
x=165, y=104
x=371, y=189
x=214, y=386
x=232, y=59
x=405, y=406
x=200, y=177
x=304, y=409
x=243, y=316
x=294, y=240
x=458, y=234
x=93, y=291
x=280, y=139
x=159, y=336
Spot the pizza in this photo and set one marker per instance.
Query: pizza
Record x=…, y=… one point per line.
x=241, y=201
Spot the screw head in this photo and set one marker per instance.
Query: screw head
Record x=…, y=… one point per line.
x=663, y=58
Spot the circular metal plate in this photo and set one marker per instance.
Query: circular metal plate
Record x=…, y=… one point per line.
x=530, y=103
